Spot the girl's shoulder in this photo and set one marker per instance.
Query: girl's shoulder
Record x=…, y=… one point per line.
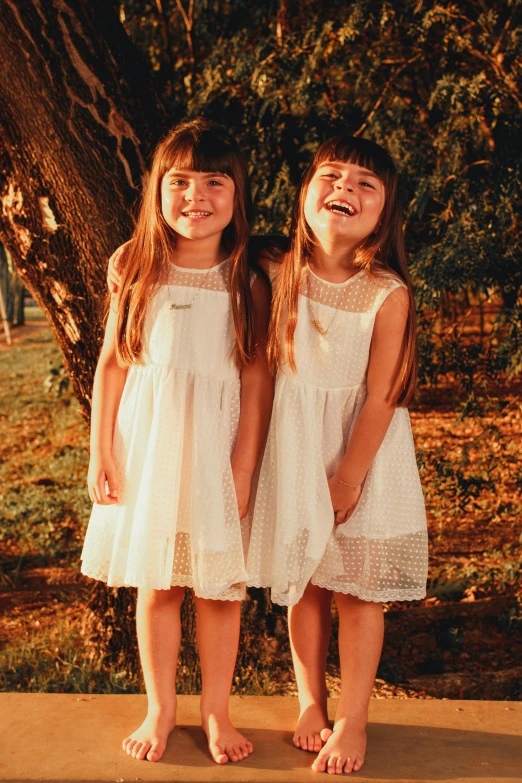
x=379, y=283
x=387, y=280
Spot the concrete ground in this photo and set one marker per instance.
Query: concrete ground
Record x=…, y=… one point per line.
x=61, y=737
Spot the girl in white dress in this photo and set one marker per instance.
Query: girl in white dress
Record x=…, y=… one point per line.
x=339, y=508
x=181, y=404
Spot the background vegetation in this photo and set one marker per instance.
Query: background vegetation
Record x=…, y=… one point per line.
x=438, y=84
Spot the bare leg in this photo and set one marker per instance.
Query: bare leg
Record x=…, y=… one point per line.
x=217, y=629
x=158, y=624
x=361, y=629
x=310, y=623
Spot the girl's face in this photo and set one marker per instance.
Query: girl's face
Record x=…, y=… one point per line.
x=197, y=204
x=343, y=202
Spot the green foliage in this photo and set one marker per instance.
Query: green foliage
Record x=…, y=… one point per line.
x=438, y=84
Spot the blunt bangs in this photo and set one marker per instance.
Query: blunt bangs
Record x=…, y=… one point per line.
x=201, y=150
x=361, y=152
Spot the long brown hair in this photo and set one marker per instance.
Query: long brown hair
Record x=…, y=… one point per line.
x=198, y=145
x=381, y=252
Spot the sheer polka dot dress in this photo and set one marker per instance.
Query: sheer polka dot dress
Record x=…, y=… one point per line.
x=177, y=522
x=380, y=553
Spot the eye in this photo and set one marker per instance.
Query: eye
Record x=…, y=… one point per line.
x=215, y=182
x=178, y=182
x=329, y=174
x=367, y=184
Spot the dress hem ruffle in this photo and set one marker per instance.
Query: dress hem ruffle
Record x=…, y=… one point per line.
x=223, y=593
x=383, y=596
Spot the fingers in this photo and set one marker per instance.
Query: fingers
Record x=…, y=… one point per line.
x=342, y=516
x=103, y=491
x=112, y=485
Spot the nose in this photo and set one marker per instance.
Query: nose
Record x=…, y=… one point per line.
x=344, y=183
x=194, y=192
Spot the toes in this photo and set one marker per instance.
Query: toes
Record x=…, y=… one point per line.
x=310, y=740
x=142, y=751
x=218, y=754
x=320, y=763
x=339, y=765
x=249, y=746
x=245, y=748
x=125, y=743
x=135, y=750
x=357, y=764
x=233, y=753
x=317, y=743
x=129, y=747
x=296, y=740
x=349, y=765
x=325, y=734
x=330, y=767
x=154, y=753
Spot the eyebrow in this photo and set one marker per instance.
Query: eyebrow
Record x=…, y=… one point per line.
x=208, y=174
x=366, y=172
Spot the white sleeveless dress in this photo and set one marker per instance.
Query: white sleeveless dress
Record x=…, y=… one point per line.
x=380, y=553
x=177, y=522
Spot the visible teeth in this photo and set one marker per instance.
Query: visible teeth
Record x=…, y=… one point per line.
x=341, y=206
x=196, y=214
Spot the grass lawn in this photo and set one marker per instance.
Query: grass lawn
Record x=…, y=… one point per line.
x=464, y=640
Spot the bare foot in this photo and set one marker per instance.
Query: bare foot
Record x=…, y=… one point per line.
x=225, y=743
x=150, y=739
x=344, y=748
x=312, y=721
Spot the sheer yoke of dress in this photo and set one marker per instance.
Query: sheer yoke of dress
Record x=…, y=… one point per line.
x=177, y=523
x=380, y=553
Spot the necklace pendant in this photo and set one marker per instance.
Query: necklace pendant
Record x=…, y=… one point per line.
x=180, y=307
x=318, y=326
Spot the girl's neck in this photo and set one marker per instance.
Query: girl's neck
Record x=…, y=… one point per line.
x=198, y=253
x=333, y=262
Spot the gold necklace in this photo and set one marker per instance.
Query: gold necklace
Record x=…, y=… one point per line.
x=175, y=306
x=314, y=319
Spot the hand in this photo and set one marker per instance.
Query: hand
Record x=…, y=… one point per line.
x=344, y=500
x=243, y=487
x=114, y=269
x=102, y=481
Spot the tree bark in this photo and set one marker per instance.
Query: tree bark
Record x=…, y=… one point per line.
x=78, y=116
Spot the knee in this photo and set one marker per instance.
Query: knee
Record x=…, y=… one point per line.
x=161, y=598
x=357, y=608
x=316, y=595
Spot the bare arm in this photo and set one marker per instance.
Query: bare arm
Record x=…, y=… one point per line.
x=257, y=391
x=383, y=377
x=109, y=381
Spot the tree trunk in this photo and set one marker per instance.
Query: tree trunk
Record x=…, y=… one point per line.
x=78, y=116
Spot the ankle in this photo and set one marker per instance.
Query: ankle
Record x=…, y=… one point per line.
x=211, y=710
x=313, y=702
x=351, y=718
x=162, y=707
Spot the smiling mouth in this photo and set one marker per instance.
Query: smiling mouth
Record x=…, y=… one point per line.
x=341, y=208
x=193, y=213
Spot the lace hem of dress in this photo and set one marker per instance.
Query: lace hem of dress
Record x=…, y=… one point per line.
x=230, y=593
x=382, y=596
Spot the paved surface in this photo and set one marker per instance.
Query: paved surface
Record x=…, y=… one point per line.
x=61, y=737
